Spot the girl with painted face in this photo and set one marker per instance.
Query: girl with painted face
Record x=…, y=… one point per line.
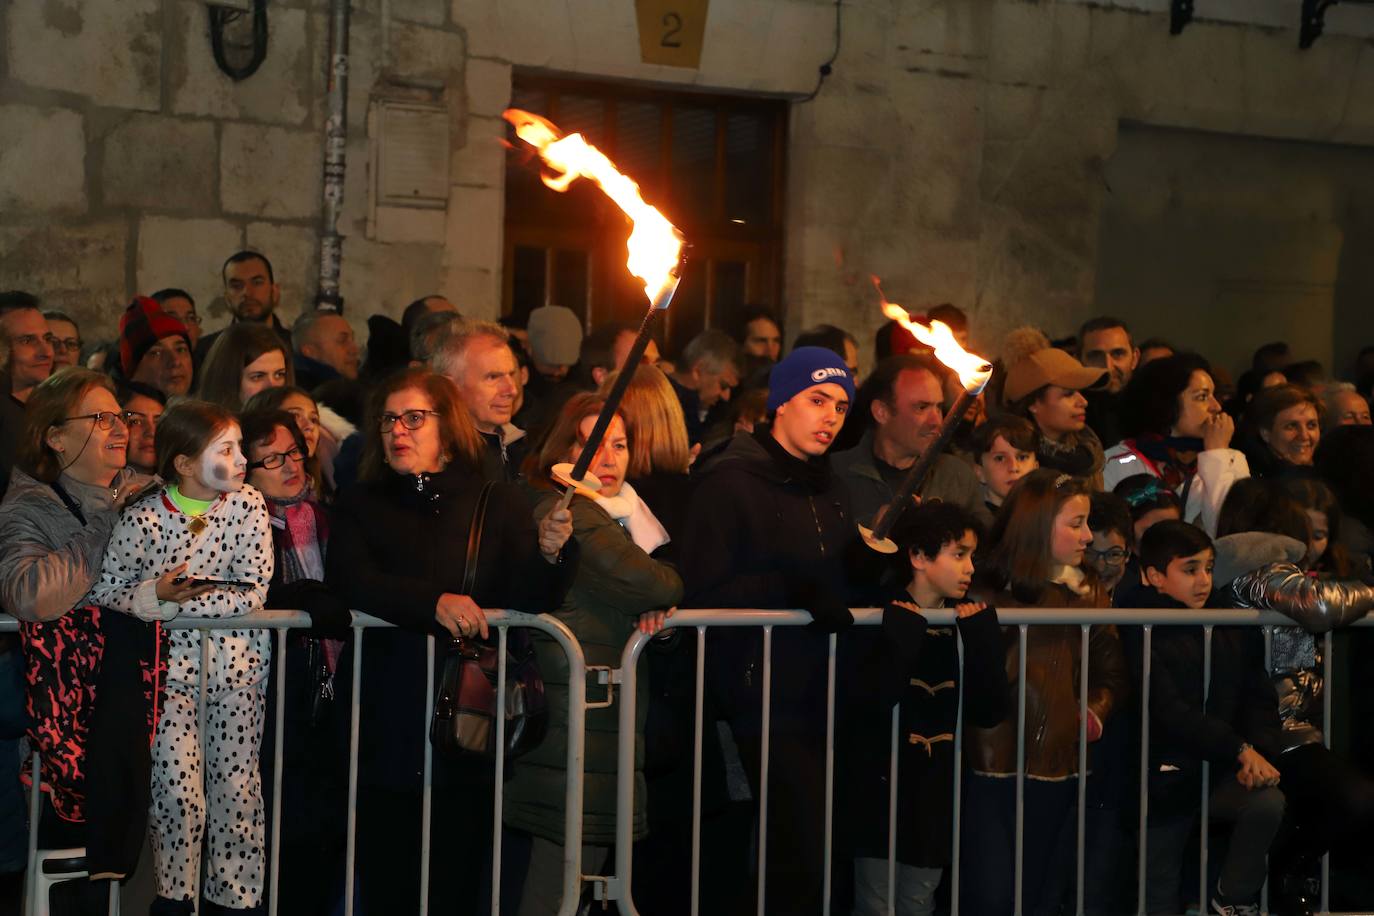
x=201, y=546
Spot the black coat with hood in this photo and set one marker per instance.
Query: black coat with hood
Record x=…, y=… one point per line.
x=768, y=530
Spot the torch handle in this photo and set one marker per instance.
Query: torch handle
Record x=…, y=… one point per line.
x=902, y=498
x=614, y=396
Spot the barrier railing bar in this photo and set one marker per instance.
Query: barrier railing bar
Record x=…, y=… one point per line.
x=958, y=777
x=696, y=770
x=829, y=772
x=500, y=767
x=198, y=884
x=1328, y=648
x=1203, y=900
x=31, y=874
x=278, y=757
x=892, y=815
x=1144, y=769
x=427, y=778
x=354, y=713
x=763, y=764
x=1082, y=767
x=1020, y=765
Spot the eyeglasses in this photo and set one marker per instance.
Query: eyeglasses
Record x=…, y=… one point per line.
x=104, y=419
x=63, y=344
x=277, y=459
x=1113, y=556
x=411, y=419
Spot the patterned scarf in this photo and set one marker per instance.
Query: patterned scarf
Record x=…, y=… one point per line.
x=300, y=531
x=1174, y=457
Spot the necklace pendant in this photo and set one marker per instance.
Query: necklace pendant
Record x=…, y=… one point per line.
x=197, y=524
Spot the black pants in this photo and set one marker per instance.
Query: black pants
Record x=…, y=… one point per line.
x=1330, y=807
x=795, y=870
x=388, y=838
x=987, y=860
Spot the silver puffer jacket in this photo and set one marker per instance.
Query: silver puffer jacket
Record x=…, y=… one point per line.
x=1317, y=606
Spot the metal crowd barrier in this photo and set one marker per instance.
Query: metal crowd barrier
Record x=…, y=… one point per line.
x=619, y=887
x=500, y=622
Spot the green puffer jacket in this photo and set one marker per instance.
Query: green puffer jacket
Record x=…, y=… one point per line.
x=615, y=583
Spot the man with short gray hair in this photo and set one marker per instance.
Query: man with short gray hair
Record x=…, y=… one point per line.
x=325, y=349
x=478, y=358
x=705, y=376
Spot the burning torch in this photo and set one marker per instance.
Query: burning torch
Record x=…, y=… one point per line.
x=973, y=372
x=655, y=256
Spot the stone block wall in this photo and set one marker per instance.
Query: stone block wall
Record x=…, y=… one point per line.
x=129, y=162
x=959, y=150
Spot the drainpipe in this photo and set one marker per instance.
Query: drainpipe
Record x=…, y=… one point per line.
x=335, y=155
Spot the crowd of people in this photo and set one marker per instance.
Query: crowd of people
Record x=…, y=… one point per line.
x=167, y=474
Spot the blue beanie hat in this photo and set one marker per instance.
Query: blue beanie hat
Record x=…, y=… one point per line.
x=803, y=368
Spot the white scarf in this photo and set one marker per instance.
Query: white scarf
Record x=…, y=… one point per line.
x=631, y=512
x=1073, y=578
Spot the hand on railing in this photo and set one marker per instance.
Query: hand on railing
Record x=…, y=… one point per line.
x=969, y=608
x=460, y=615
x=651, y=622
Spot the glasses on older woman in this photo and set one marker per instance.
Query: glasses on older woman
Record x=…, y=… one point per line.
x=411, y=419
x=104, y=419
x=277, y=459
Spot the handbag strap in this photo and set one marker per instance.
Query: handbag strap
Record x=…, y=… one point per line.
x=479, y=517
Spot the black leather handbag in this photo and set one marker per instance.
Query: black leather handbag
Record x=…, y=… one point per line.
x=464, y=725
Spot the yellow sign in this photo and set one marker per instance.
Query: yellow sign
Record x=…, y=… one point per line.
x=671, y=31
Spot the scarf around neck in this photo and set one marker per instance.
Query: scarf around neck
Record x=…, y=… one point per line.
x=1174, y=457
x=635, y=517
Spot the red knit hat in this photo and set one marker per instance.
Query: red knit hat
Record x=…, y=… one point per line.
x=143, y=324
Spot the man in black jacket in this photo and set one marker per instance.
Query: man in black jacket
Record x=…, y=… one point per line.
x=769, y=527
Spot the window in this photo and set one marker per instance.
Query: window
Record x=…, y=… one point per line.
x=713, y=164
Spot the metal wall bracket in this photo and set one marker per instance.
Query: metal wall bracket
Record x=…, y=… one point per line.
x=1180, y=14
x=1313, y=20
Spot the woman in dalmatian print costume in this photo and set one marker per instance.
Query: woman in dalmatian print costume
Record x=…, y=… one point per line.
x=206, y=525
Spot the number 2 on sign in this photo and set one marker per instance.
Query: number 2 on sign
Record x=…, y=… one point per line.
x=672, y=22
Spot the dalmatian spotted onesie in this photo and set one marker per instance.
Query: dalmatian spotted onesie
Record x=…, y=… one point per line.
x=231, y=541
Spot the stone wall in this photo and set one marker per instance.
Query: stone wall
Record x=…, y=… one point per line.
x=973, y=137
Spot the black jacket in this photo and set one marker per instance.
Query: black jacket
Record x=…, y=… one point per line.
x=1241, y=705
x=766, y=530
x=909, y=662
x=395, y=546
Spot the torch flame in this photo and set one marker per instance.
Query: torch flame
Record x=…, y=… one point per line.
x=972, y=369
x=655, y=245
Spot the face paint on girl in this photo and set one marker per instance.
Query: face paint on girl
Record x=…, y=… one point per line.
x=222, y=464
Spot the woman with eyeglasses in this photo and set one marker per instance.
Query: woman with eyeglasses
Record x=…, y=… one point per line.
x=315, y=779
x=65, y=495
x=399, y=550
